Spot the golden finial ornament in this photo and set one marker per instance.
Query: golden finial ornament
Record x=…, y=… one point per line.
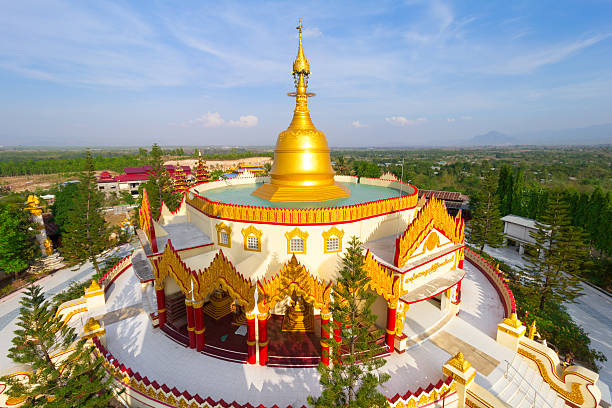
x=459, y=362
x=300, y=65
x=532, y=330
x=513, y=321
x=302, y=168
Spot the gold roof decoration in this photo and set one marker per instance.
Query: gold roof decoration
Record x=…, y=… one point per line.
x=513, y=321
x=293, y=277
x=33, y=205
x=432, y=215
x=459, y=362
x=92, y=325
x=94, y=287
x=300, y=65
x=302, y=169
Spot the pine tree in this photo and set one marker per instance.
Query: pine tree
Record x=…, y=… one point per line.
x=86, y=230
x=78, y=379
x=504, y=189
x=486, y=227
x=353, y=379
x=160, y=186
x=559, y=253
x=16, y=240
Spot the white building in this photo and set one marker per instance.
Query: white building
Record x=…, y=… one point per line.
x=517, y=231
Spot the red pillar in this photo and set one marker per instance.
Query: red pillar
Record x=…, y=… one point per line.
x=251, y=343
x=161, y=305
x=190, y=323
x=198, y=311
x=461, y=257
x=325, y=335
x=390, y=336
x=459, y=292
x=262, y=320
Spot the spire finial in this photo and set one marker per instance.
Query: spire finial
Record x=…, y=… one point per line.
x=300, y=66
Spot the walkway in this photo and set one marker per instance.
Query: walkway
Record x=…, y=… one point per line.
x=134, y=342
x=52, y=285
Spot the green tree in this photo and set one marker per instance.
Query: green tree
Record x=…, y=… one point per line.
x=216, y=174
x=504, y=189
x=353, y=379
x=486, y=227
x=340, y=167
x=65, y=199
x=17, y=246
x=159, y=186
x=559, y=253
x=78, y=380
x=125, y=197
x=86, y=230
x=366, y=169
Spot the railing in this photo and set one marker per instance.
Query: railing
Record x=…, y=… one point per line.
x=575, y=384
x=536, y=394
x=115, y=271
x=496, y=278
x=301, y=216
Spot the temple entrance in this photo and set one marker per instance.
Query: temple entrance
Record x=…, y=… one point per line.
x=294, y=333
x=226, y=330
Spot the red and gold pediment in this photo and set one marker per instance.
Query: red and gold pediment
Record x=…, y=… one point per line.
x=221, y=273
x=293, y=277
x=431, y=219
x=431, y=243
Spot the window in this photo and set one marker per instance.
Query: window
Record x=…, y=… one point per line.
x=332, y=240
x=297, y=245
x=223, y=238
x=332, y=244
x=252, y=238
x=252, y=242
x=296, y=241
x=224, y=232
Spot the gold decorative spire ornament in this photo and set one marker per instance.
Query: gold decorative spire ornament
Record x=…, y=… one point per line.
x=302, y=168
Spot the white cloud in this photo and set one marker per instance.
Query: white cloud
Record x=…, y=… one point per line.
x=244, y=121
x=529, y=62
x=311, y=32
x=357, y=124
x=403, y=121
x=451, y=119
x=215, y=120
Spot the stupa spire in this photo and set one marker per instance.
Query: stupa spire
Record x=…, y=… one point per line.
x=302, y=168
x=300, y=65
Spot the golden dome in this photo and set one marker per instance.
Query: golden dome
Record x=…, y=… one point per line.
x=302, y=168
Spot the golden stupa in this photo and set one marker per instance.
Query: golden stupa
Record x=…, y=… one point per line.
x=302, y=169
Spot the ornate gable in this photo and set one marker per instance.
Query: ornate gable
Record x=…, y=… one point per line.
x=432, y=215
x=293, y=277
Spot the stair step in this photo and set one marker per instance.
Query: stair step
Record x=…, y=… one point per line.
x=509, y=391
x=496, y=378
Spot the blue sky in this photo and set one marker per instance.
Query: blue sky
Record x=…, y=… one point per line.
x=217, y=73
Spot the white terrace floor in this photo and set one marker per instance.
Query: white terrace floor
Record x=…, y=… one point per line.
x=134, y=342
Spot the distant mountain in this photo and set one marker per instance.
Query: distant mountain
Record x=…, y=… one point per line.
x=590, y=135
x=492, y=138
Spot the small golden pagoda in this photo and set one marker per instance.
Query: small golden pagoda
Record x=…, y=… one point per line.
x=302, y=168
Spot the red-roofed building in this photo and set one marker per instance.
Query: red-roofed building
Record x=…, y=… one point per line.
x=132, y=178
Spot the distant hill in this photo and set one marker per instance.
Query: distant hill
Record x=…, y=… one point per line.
x=492, y=138
x=590, y=135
